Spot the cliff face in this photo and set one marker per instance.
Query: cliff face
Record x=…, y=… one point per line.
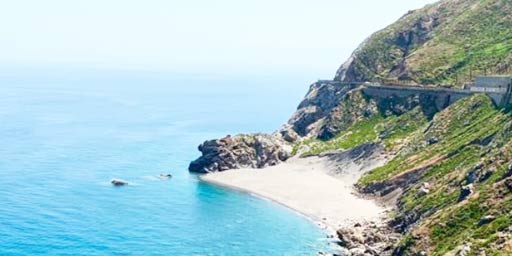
x=313, y=113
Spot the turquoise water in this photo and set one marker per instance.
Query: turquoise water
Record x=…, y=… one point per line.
x=65, y=136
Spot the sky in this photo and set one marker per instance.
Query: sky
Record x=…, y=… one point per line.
x=216, y=36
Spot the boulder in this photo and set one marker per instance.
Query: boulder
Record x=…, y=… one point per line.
x=470, y=177
x=288, y=134
x=424, y=190
x=344, y=237
x=508, y=172
x=432, y=140
x=358, y=251
x=343, y=252
x=486, y=220
x=368, y=239
x=465, y=250
x=486, y=175
x=465, y=192
x=508, y=184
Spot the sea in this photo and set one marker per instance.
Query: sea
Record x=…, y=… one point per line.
x=65, y=134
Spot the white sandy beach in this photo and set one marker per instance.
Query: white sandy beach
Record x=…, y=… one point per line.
x=305, y=186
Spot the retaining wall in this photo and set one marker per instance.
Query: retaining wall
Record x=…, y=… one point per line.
x=441, y=97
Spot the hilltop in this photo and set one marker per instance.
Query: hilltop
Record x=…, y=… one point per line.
x=442, y=43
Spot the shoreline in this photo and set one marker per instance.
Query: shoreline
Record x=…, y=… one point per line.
x=321, y=224
x=308, y=187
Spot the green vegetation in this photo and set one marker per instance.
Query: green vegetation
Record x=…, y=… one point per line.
x=444, y=43
x=388, y=130
x=470, y=133
x=357, y=134
x=456, y=128
x=465, y=147
x=470, y=142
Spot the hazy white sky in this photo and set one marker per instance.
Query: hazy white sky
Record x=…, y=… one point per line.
x=200, y=35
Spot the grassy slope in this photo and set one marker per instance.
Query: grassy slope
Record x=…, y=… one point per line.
x=479, y=39
x=472, y=35
x=446, y=224
x=389, y=130
x=455, y=127
x=468, y=143
x=469, y=132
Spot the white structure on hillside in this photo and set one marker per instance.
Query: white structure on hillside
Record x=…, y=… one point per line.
x=492, y=84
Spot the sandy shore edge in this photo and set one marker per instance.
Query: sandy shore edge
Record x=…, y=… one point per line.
x=307, y=186
x=322, y=224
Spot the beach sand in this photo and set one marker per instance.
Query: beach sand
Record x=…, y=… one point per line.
x=308, y=186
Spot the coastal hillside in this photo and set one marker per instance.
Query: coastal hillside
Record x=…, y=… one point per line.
x=454, y=179
x=449, y=176
x=443, y=43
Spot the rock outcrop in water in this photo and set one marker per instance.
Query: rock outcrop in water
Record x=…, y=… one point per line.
x=242, y=151
x=118, y=183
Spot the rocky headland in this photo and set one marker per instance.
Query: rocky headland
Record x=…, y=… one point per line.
x=241, y=151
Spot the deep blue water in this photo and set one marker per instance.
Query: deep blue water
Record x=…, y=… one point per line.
x=63, y=137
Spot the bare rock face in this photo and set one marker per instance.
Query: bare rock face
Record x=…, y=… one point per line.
x=321, y=99
x=352, y=108
x=242, y=151
x=259, y=150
